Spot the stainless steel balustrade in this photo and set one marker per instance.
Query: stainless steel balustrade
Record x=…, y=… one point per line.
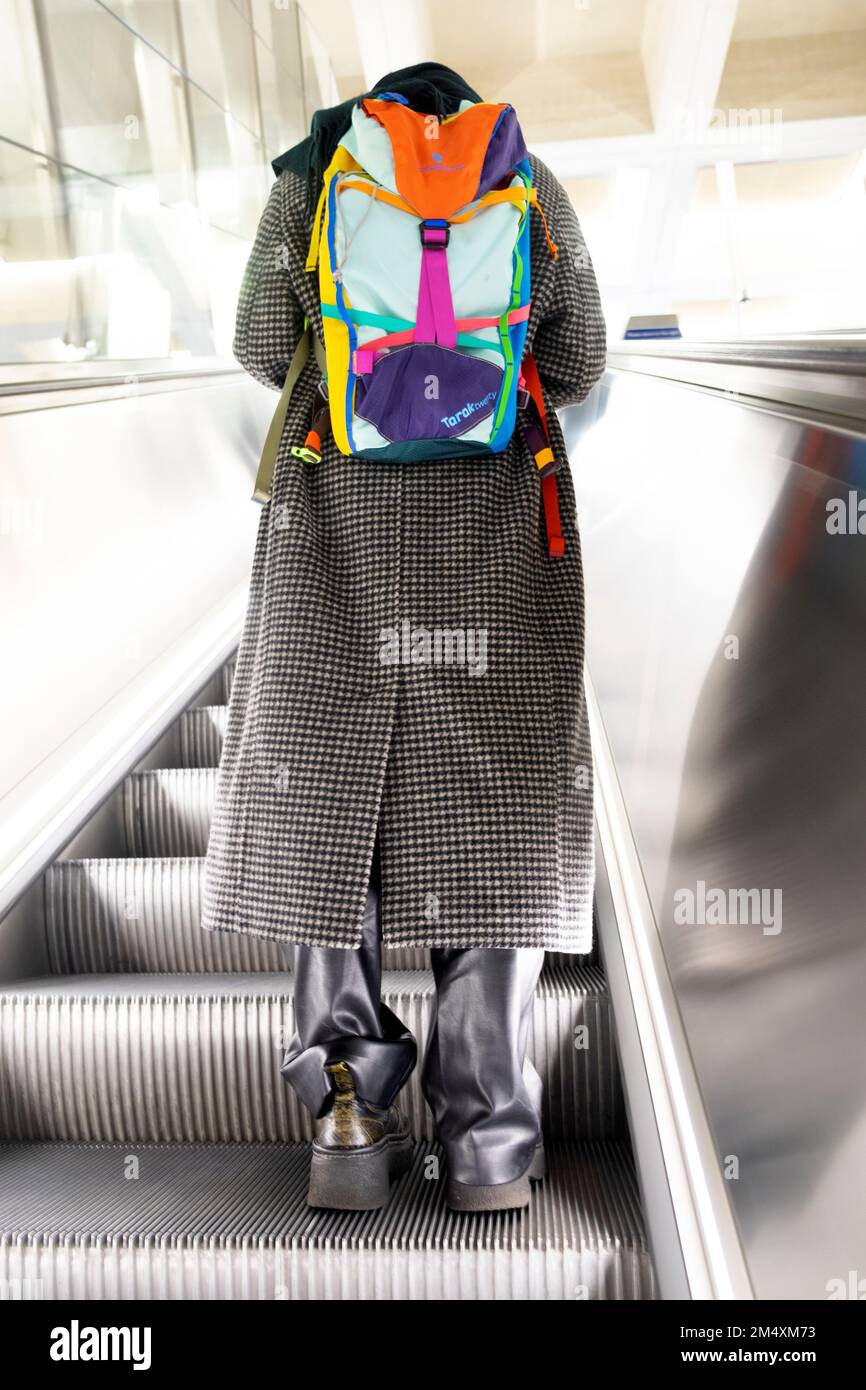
x=721, y=490
x=127, y=532
x=820, y=379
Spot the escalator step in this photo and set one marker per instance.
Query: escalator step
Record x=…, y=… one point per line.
x=202, y=731
x=168, y=811
x=192, y=1058
x=231, y=1222
x=135, y=914
x=149, y=1147
x=144, y=915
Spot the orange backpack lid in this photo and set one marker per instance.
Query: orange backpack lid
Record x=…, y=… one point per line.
x=437, y=164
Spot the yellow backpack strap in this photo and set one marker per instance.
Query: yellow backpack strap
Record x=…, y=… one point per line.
x=381, y=195
x=520, y=197
x=341, y=162
x=315, y=237
x=265, y=475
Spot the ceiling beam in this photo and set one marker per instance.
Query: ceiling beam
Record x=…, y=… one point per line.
x=816, y=139
x=684, y=44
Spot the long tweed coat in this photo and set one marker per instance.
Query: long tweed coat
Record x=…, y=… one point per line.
x=477, y=774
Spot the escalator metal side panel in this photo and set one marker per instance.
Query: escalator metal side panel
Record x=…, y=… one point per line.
x=696, y=1240
x=726, y=595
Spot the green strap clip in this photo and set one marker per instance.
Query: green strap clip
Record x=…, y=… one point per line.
x=303, y=452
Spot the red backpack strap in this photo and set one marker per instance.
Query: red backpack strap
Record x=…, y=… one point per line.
x=538, y=439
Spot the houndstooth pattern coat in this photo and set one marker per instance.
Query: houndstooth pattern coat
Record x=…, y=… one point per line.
x=478, y=780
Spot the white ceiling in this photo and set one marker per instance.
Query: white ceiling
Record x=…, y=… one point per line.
x=779, y=19
x=638, y=104
x=575, y=69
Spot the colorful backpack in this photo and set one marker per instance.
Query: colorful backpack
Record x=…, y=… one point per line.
x=421, y=239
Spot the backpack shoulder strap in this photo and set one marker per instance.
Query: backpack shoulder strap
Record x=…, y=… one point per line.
x=538, y=439
x=342, y=162
x=265, y=474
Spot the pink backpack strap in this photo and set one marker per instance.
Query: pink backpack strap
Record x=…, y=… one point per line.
x=434, y=320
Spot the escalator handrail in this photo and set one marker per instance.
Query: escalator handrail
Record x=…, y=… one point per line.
x=839, y=355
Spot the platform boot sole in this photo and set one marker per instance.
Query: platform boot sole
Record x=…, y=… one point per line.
x=357, y=1179
x=501, y=1196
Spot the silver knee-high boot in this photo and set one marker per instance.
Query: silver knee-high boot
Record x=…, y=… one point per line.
x=347, y=1060
x=484, y=1092
x=350, y=1055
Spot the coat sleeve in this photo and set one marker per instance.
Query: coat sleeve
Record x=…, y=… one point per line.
x=270, y=319
x=570, y=341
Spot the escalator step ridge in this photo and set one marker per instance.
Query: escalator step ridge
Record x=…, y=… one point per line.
x=168, y=811
x=581, y=1237
x=201, y=733
x=143, y=914
x=196, y=1057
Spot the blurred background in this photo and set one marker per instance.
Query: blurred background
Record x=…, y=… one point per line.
x=135, y=140
x=716, y=155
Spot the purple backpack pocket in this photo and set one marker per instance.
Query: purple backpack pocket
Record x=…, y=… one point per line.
x=426, y=391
